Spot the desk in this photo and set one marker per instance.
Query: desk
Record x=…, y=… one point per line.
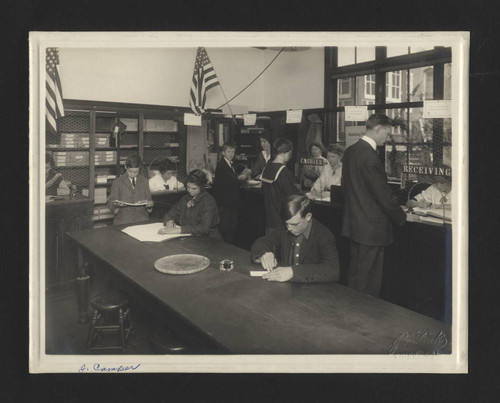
x=248, y=315
x=62, y=215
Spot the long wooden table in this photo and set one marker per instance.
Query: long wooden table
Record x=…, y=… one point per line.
x=248, y=315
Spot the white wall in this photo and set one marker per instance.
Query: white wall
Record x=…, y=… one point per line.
x=162, y=76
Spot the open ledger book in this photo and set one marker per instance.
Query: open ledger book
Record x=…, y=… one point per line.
x=149, y=233
x=435, y=212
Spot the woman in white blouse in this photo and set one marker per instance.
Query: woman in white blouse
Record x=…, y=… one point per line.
x=331, y=174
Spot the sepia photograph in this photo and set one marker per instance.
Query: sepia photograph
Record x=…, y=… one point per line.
x=248, y=202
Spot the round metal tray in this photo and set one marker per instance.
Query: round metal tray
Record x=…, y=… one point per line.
x=182, y=264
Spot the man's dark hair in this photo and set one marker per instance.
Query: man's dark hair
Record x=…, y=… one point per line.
x=228, y=144
x=295, y=204
x=378, y=119
x=133, y=161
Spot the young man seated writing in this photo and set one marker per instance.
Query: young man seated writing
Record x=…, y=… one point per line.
x=304, y=251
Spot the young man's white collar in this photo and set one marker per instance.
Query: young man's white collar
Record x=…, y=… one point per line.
x=230, y=163
x=370, y=141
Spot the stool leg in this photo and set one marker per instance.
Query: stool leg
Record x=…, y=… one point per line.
x=93, y=323
x=130, y=330
x=122, y=330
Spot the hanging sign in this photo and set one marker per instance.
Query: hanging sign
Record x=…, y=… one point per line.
x=437, y=109
x=249, y=119
x=190, y=119
x=294, y=116
x=356, y=113
x=312, y=161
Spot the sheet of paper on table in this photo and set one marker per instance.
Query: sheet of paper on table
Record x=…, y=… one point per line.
x=149, y=233
x=257, y=273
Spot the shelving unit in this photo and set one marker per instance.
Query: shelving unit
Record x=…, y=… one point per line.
x=246, y=138
x=95, y=138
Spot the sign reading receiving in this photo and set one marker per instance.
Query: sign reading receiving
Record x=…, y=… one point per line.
x=312, y=161
x=426, y=170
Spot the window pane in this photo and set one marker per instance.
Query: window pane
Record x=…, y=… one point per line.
x=421, y=83
x=395, y=157
x=447, y=81
x=420, y=129
x=346, y=56
x=419, y=155
x=365, y=90
x=399, y=134
x=345, y=91
x=395, y=87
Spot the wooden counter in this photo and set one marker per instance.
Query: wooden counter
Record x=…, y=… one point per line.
x=240, y=314
x=417, y=267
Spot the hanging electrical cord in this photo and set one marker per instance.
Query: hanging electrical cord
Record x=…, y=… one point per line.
x=255, y=79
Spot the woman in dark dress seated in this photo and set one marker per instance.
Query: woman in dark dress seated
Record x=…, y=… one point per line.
x=195, y=213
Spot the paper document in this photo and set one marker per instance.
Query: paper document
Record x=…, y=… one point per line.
x=131, y=204
x=257, y=273
x=323, y=197
x=435, y=212
x=149, y=233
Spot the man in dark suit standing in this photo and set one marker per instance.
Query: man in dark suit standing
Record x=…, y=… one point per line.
x=370, y=207
x=226, y=191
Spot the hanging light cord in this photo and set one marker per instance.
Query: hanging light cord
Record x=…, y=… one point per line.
x=255, y=79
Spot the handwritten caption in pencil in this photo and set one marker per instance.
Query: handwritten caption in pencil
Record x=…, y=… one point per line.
x=96, y=367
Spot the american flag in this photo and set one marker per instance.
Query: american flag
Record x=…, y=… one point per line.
x=204, y=78
x=53, y=102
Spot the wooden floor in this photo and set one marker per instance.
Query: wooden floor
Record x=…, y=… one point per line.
x=65, y=335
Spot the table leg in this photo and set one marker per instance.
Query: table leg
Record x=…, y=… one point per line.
x=83, y=287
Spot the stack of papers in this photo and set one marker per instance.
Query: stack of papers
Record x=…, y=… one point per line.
x=149, y=233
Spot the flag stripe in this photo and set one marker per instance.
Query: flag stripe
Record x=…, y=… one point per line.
x=204, y=79
x=54, y=107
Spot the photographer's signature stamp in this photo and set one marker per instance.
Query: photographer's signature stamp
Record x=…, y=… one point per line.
x=419, y=342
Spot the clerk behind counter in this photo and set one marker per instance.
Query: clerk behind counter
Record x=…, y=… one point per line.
x=165, y=179
x=438, y=195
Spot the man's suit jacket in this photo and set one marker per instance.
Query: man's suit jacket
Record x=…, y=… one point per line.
x=370, y=207
x=226, y=185
x=318, y=257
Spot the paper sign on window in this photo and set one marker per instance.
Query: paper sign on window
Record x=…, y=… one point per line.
x=357, y=113
x=437, y=109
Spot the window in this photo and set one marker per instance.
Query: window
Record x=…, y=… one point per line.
x=415, y=141
x=393, y=86
x=344, y=88
x=370, y=86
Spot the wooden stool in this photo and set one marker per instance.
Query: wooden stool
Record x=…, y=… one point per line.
x=165, y=341
x=111, y=311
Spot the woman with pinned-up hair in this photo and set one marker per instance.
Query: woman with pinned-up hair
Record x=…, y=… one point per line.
x=195, y=213
x=277, y=183
x=264, y=156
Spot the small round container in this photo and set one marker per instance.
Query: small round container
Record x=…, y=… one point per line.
x=226, y=265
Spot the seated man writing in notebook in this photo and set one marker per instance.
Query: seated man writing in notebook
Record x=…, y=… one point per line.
x=304, y=251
